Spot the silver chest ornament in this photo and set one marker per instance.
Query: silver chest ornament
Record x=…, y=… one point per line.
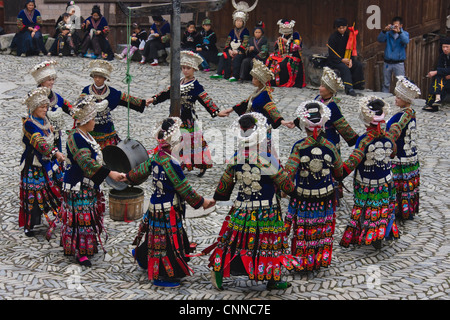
x=410, y=139
x=378, y=155
x=235, y=44
x=249, y=179
x=318, y=166
x=158, y=177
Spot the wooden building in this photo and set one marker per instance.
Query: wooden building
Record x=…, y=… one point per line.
x=425, y=20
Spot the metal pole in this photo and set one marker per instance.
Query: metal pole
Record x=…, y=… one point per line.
x=175, y=41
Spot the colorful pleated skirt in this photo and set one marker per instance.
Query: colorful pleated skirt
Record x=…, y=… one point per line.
x=40, y=193
x=82, y=216
x=373, y=215
x=254, y=243
x=313, y=223
x=164, y=252
x=407, y=182
x=194, y=152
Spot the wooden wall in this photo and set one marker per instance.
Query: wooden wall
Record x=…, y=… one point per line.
x=314, y=21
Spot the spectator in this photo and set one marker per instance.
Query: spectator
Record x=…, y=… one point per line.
x=158, y=39
x=28, y=40
x=191, y=38
x=258, y=48
x=440, y=86
x=208, y=49
x=138, y=38
x=97, y=30
x=351, y=70
x=396, y=40
x=76, y=27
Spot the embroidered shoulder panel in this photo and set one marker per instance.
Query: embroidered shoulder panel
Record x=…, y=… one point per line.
x=82, y=156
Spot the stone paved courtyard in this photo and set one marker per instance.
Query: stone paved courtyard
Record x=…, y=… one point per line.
x=415, y=267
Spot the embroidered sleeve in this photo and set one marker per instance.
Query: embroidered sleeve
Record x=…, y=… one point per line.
x=39, y=20
x=206, y=101
x=396, y=129
x=357, y=156
x=293, y=162
x=244, y=43
x=38, y=142
x=139, y=174
x=83, y=158
x=272, y=112
x=105, y=30
x=241, y=108
x=346, y=131
x=227, y=43
x=20, y=24
x=182, y=185
x=226, y=184
x=282, y=180
x=162, y=96
x=135, y=103
x=338, y=165
x=264, y=53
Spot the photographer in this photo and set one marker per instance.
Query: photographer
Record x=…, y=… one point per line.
x=396, y=40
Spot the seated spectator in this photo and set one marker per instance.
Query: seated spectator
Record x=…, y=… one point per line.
x=158, y=39
x=138, y=38
x=97, y=30
x=207, y=49
x=440, y=86
x=190, y=39
x=28, y=40
x=286, y=62
x=75, y=22
x=351, y=70
x=258, y=48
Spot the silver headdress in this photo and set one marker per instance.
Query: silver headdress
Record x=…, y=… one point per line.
x=171, y=135
x=101, y=68
x=190, y=59
x=406, y=90
x=331, y=81
x=254, y=136
x=44, y=71
x=37, y=98
x=261, y=72
x=367, y=116
x=287, y=27
x=84, y=110
x=304, y=115
x=242, y=10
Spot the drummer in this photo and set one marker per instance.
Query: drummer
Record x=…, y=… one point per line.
x=108, y=99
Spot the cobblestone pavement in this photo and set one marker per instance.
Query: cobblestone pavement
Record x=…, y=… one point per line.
x=414, y=267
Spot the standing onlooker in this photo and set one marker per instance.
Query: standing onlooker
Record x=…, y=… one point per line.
x=350, y=69
x=440, y=86
x=395, y=53
x=158, y=39
x=28, y=40
x=208, y=49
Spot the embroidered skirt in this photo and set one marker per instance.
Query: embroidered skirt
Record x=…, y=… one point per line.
x=106, y=139
x=82, y=216
x=373, y=215
x=313, y=221
x=288, y=71
x=254, y=243
x=407, y=182
x=194, y=151
x=166, y=245
x=40, y=194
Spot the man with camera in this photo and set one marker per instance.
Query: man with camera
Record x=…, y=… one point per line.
x=396, y=40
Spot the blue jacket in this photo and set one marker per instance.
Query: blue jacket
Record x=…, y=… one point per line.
x=395, y=48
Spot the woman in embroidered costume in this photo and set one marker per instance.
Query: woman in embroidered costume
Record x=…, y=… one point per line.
x=286, y=62
x=28, y=40
x=373, y=215
x=194, y=149
x=337, y=125
x=261, y=101
x=230, y=61
x=96, y=36
x=104, y=132
x=405, y=165
x=252, y=241
x=165, y=248
x=44, y=74
x=41, y=171
x=83, y=206
x=314, y=165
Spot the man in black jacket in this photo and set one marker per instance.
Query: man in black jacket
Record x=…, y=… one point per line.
x=351, y=70
x=440, y=86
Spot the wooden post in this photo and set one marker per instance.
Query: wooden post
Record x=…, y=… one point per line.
x=175, y=40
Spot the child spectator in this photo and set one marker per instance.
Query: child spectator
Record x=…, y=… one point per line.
x=138, y=36
x=207, y=48
x=191, y=38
